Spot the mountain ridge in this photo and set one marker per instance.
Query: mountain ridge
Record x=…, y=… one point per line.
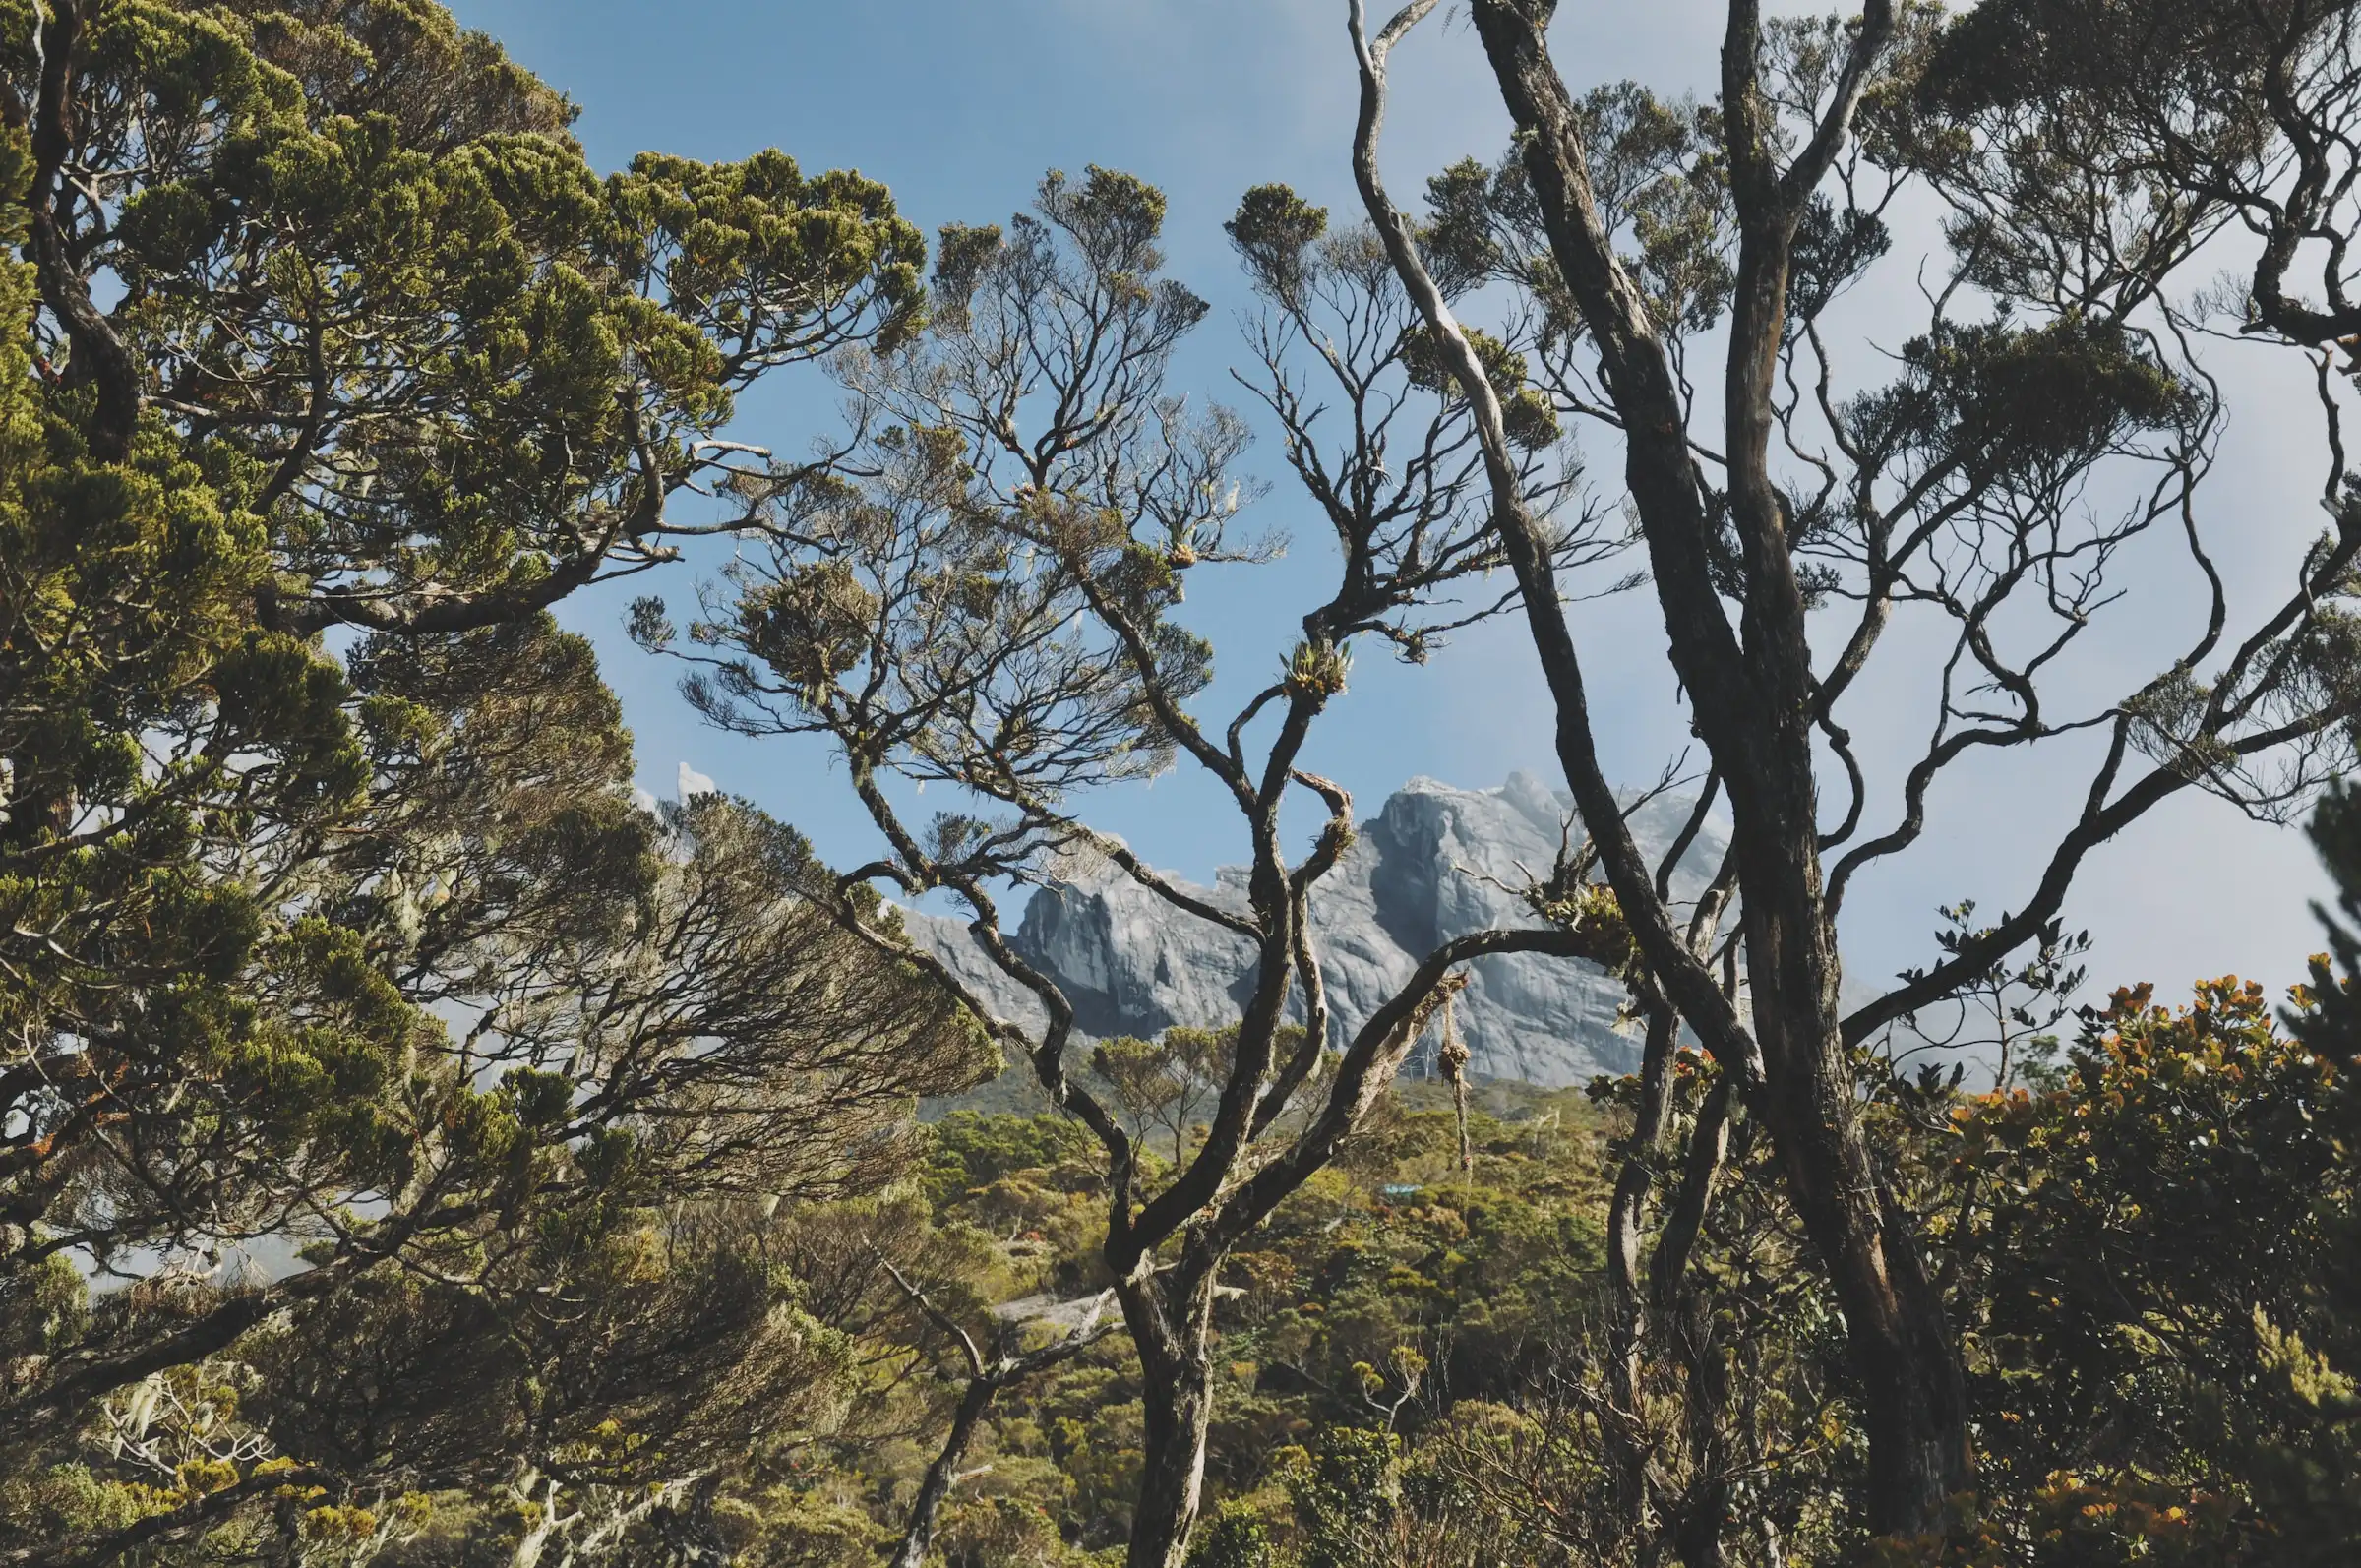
x=1434, y=863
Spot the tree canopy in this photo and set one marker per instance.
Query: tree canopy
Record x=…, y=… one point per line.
x=417, y=1149
x=357, y=947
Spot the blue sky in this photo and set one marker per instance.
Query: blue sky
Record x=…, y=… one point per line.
x=960, y=107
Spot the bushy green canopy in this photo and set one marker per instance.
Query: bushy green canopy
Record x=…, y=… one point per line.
x=328, y=919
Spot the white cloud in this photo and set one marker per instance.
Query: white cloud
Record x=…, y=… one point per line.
x=693, y=783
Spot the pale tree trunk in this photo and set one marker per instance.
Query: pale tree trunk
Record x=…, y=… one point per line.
x=535, y=1541
x=1452, y=1057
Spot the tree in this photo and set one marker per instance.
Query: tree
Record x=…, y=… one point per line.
x=994, y=609
x=2086, y=152
x=637, y=1029
x=2149, y=1266
x=387, y=353
x=358, y=250
x=360, y=942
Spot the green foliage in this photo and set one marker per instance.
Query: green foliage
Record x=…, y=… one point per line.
x=1234, y=1536
x=2035, y=404
x=359, y=947
x=1660, y=184
x=1352, y=1297
x=1272, y=229
x=967, y=1152
x=1343, y=1493
x=2162, y=1328
x=358, y=246
x=327, y=920
x=1527, y=414
x=950, y=614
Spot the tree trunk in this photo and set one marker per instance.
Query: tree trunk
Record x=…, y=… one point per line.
x=1914, y=1399
x=1171, y=1318
x=1753, y=694
x=1697, y=1533
x=685, y=1531
x=1459, y=1101
x=1454, y=1058
x=1680, y=1308
x=936, y=1486
x=541, y=1516
x=1626, y=1311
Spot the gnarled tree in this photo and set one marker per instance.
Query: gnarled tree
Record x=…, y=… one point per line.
x=998, y=610
x=2086, y=153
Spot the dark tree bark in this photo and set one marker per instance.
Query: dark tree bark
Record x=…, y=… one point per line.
x=82, y=1378
x=935, y=1488
x=1626, y=1305
x=1751, y=688
x=1686, y=1321
x=1754, y=696
x=167, y=1529
x=1411, y=534
x=99, y=359
x=1171, y=1318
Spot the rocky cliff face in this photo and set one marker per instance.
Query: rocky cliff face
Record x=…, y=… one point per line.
x=1417, y=876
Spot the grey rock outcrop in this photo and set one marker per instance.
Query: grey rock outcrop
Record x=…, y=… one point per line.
x=1434, y=863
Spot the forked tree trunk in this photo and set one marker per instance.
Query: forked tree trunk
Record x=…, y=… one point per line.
x=1752, y=689
x=541, y=1516
x=1686, y=1322
x=1171, y=1318
x=987, y=1376
x=1697, y=1533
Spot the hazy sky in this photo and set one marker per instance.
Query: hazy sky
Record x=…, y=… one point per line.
x=960, y=105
